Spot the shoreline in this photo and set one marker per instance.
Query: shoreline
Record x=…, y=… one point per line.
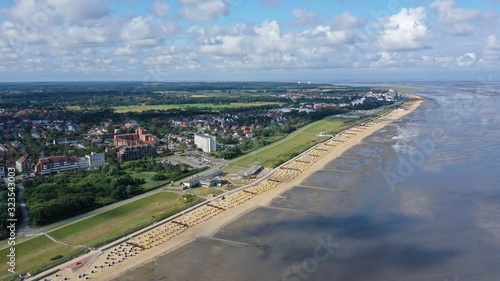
x=160, y=239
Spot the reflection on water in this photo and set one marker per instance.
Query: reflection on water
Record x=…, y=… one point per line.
x=421, y=202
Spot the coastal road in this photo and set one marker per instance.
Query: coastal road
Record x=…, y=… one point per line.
x=23, y=227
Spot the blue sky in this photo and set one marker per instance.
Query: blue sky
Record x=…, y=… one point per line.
x=241, y=40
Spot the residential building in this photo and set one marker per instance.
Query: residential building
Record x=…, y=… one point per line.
x=140, y=137
x=72, y=140
x=91, y=161
x=56, y=164
x=128, y=153
x=205, y=142
x=23, y=164
x=95, y=160
x=83, y=164
x=2, y=172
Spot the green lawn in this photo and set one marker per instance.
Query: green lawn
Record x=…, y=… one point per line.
x=273, y=156
x=110, y=223
x=32, y=254
x=140, y=108
x=204, y=191
x=297, y=142
x=327, y=125
x=150, y=184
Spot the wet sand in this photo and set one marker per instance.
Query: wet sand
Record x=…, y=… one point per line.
x=217, y=232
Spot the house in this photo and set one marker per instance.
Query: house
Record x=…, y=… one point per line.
x=2, y=172
x=23, y=164
x=190, y=183
x=72, y=140
x=10, y=162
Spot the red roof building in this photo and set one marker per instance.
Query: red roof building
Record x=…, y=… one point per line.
x=56, y=164
x=140, y=137
x=23, y=164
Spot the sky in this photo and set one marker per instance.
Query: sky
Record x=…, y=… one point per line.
x=243, y=40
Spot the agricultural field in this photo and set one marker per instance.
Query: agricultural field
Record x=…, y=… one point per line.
x=141, y=108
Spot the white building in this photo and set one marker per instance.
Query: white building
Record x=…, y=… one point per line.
x=91, y=161
x=83, y=164
x=205, y=142
x=95, y=160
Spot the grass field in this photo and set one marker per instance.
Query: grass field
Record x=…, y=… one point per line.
x=140, y=108
x=33, y=253
x=150, y=184
x=109, y=223
x=204, y=191
x=297, y=142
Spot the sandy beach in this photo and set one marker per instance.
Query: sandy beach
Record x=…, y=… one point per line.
x=207, y=220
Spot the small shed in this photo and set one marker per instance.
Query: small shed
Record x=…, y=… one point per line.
x=253, y=171
x=191, y=183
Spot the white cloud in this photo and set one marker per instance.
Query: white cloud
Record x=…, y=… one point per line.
x=323, y=35
x=80, y=11
x=267, y=46
x=270, y=3
x=455, y=20
x=492, y=43
x=69, y=36
x=466, y=60
x=125, y=51
x=491, y=51
x=43, y=13
x=346, y=21
x=448, y=12
x=19, y=11
x=304, y=17
x=197, y=10
x=132, y=61
x=404, y=31
x=160, y=8
x=147, y=32
x=78, y=36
